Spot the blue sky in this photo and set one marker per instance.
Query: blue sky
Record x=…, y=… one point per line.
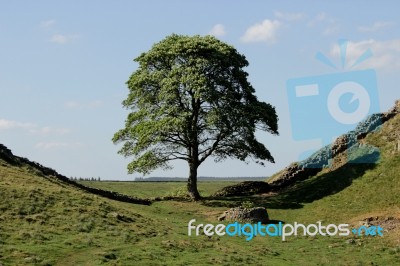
x=64, y=66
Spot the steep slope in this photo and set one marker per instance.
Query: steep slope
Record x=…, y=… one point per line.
x=353, y=193
x=44, y=218
x=346, y=151
x=349, y=148
x=52, y=175
x=349, y=192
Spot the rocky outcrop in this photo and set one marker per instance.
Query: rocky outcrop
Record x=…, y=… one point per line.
x=245, y=215
x=326, y=155
x=245, y=188
x=51, y=174
x=392, y=112
x=6, y=154
x=293, y=173
x=340, y=144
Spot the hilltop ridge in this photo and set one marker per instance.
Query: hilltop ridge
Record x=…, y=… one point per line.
x=345, y=149
x=9, y=158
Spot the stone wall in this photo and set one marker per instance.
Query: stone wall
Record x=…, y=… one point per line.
x=49, y=173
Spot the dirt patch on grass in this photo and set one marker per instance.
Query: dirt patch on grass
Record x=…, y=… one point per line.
x=388, y=222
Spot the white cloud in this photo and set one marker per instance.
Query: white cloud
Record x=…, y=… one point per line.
x=32, y=128
x=50, y=131
x=378, y=25
x=58, y=38
x=72, y=104
x=57, y=145
x=262, y=32
x=218, y=30
x=47, y=23
x=9, y=124
x=61, y=38
x=289, y=16
x=329, y=24
x=386, y=54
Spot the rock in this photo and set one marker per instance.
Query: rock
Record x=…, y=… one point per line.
x=246, y=215
x=392, y=112
x=245, y=188
x=340, y=145
x=292, y=174
x=121, y=217
x=6, y=154
x=324, y=157
x=110, y=256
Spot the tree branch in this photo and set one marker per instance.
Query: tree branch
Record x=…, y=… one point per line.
x=212, y=148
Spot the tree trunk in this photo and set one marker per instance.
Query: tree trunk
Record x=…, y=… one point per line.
x=192, y=182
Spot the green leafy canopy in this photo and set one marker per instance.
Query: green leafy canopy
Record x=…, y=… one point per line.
x=190, y=99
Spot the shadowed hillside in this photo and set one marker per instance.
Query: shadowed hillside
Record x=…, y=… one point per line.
x=349, y=149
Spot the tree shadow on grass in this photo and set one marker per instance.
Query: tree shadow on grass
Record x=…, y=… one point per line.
x=256, y=200
x=307, y=191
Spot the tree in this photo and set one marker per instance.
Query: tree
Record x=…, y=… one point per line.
x=190, y=99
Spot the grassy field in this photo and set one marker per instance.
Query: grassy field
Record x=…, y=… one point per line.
x=44, y=222
x=157, y=189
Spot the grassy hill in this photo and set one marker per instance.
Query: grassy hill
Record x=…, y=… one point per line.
x=354, y=191
x=44, y=221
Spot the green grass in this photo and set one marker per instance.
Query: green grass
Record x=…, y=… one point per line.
x=43, y=222
x=157, y=189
